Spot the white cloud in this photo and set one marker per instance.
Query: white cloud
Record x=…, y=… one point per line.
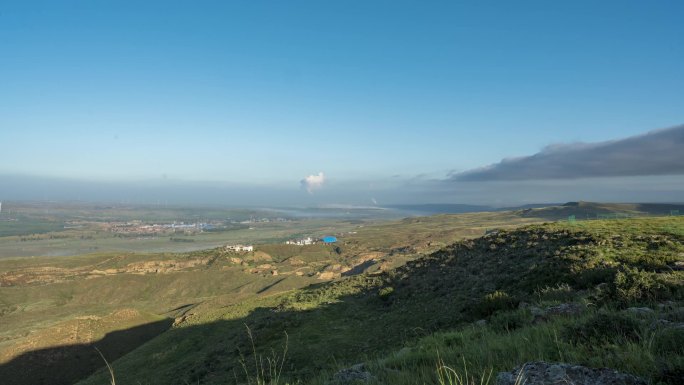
x=313, y=182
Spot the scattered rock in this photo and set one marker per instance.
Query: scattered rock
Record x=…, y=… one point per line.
x=326, y=275
x=667, y=305
x=543, y=373
x=355, y=374
x=663, y=323
x=660, y=323
x=157, y=267
x=639, y=310
x=403, y=351
x=294, y=261
x=537, y=312
x=565, y=309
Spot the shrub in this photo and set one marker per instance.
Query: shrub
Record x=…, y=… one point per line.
x=562, y=292
x=634, y=285
x=601, y=328
x=509, y=320
x=386, y=292
x=496, y=301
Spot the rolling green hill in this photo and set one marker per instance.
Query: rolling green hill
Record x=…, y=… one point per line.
x=394, y=283
x=400, y=321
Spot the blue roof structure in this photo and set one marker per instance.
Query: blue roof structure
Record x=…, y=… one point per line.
x=329, y=239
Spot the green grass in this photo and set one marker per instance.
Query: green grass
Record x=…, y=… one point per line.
x=475, y=352
x=429, y=306
x=443, y=288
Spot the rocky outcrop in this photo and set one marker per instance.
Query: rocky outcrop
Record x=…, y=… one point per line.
x=564, y=309
x=639, y=310
x=161, y=267
x=327, y=275
x=353, y=375
x=544, y=373
x=50, y=275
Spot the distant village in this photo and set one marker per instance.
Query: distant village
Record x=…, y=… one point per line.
x=311, y=241
x=240, y=248
x=137, y=227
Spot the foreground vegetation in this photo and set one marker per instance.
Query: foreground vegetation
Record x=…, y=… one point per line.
x=54, y=308
x=480, y=306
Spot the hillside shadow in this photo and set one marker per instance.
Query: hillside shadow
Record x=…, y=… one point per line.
x=359, y=269
x=269, y=286
x=327, y=324
x=68, y=364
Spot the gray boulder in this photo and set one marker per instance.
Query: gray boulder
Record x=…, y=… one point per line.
x=353, y=375
x=566, y=309
x=545, y=373
x=639, y=310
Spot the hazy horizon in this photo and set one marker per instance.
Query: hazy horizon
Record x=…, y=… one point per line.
x=368, y=103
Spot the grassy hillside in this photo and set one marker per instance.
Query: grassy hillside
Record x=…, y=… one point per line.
x=399, y=322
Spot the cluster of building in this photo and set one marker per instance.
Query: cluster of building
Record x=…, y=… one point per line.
x=262, y=220
x=301, y=242
x=137, y=227
x=240, y=248
x=311, y=241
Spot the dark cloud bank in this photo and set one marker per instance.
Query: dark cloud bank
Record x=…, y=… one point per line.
x=659, y=152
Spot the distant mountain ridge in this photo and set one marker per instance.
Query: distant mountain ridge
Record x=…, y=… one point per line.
x=455, y=208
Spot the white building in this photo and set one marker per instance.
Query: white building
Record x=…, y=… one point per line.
x=301, y=242
x=240, y=248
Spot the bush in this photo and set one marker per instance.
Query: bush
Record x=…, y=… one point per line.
x=496, y=301
x=562, y=292
x=506, y=321
x=386, y=292
x=601, y=328
x=634, y=285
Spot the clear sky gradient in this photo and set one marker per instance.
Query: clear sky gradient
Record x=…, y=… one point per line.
x=265, y=93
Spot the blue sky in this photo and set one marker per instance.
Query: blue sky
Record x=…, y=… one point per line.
x=265, y=93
